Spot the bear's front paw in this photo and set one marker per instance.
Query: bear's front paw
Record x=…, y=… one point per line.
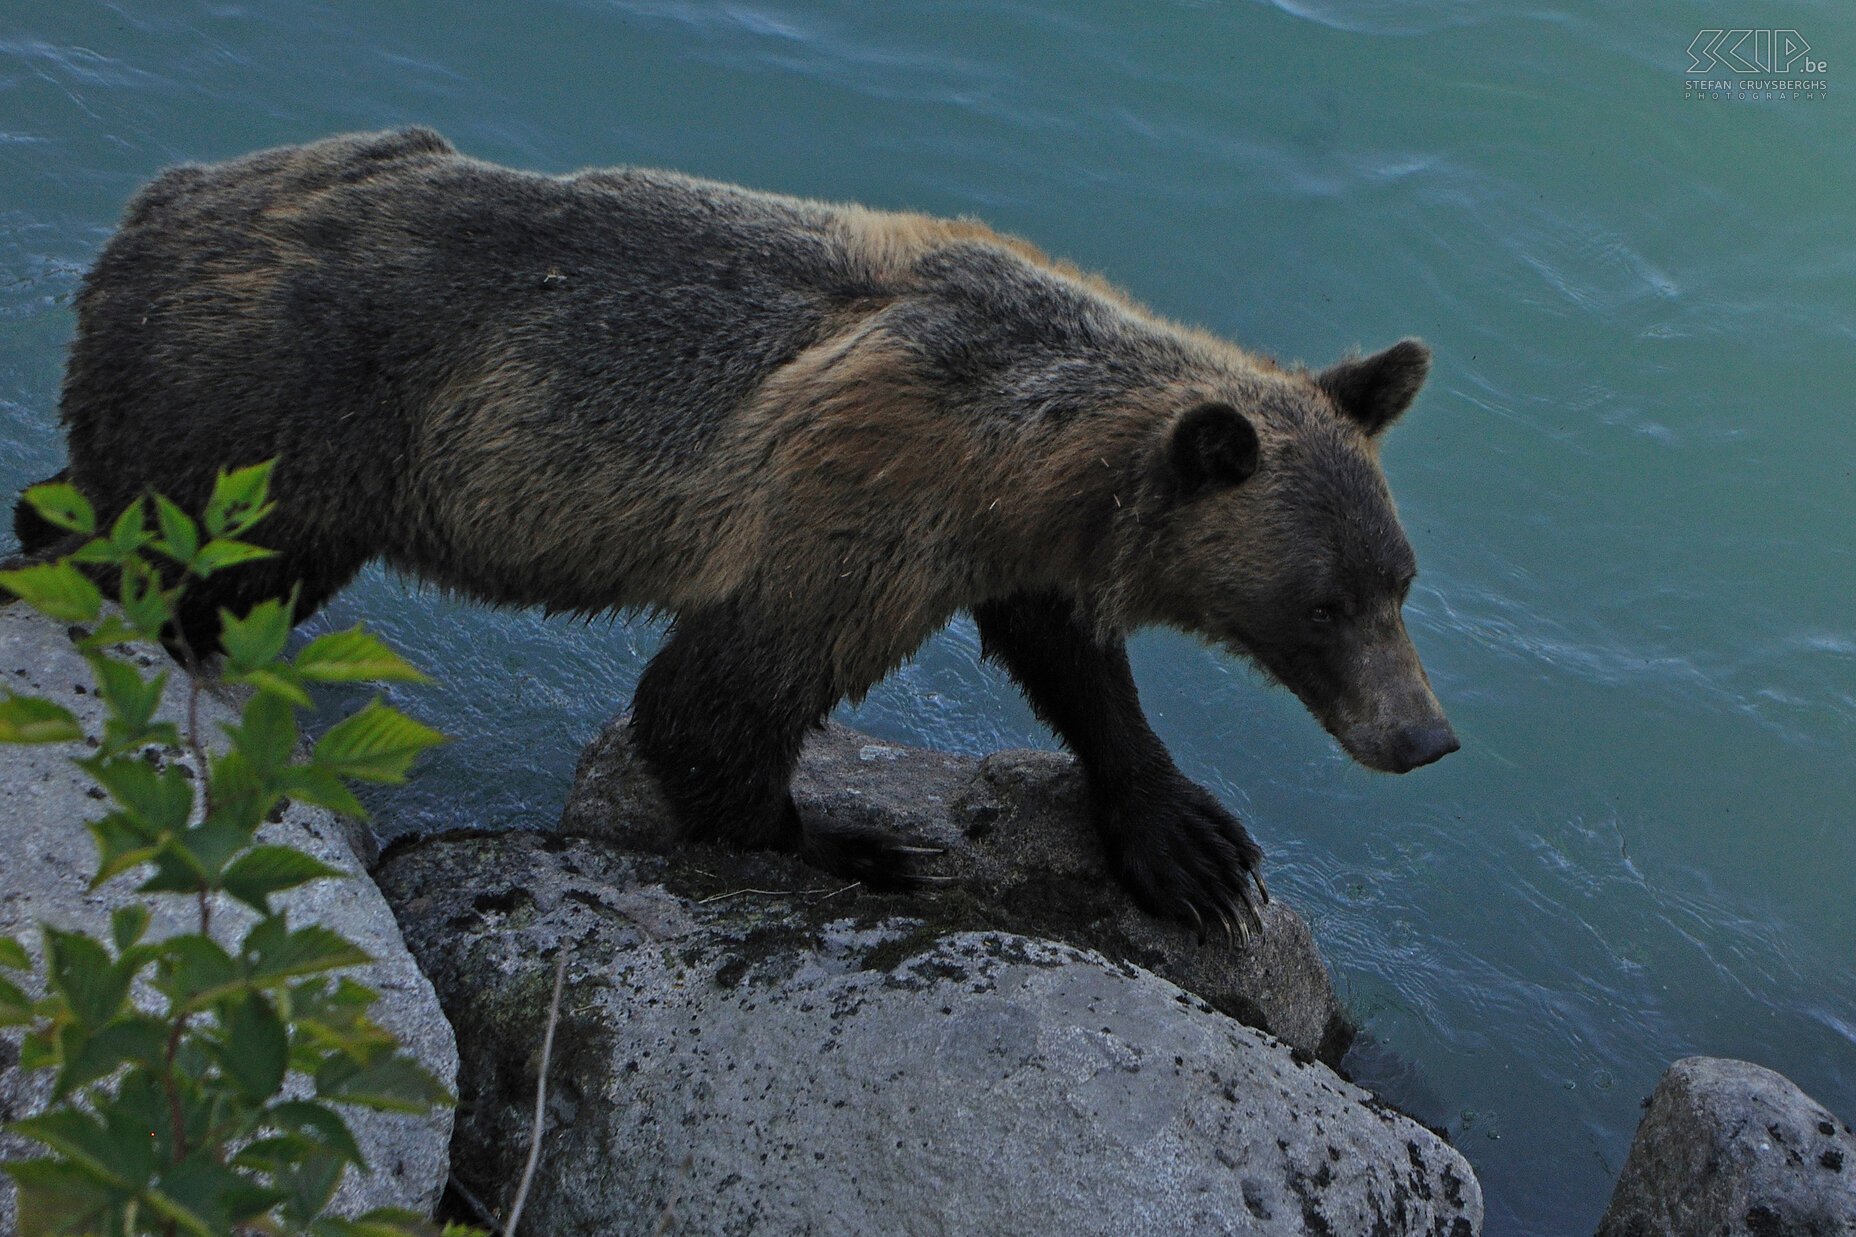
x=1183, y=856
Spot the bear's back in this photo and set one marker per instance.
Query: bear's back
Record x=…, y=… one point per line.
x=451, y=346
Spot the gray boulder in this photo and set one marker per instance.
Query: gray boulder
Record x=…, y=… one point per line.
x=47, y=856
x=1730, y=1149
x=745, y=1046
x=1022, y=859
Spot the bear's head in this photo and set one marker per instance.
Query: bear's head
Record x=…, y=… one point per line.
x=1270, y=531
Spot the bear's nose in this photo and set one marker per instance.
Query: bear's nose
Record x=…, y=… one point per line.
x=1420, y=745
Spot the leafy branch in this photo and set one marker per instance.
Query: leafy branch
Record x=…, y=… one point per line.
x=201, y=1087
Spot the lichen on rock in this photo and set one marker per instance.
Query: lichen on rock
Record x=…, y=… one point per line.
x=747, y=1045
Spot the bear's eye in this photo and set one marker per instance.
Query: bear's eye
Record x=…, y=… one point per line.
x=1321, y=616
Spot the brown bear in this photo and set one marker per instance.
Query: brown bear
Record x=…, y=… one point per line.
x=811, y=432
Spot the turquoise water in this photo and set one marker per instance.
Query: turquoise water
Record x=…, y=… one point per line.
x=1629, y=482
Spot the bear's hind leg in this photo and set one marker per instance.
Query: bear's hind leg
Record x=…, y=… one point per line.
x=1175, y=847
x=720, y=715
x=39, y=538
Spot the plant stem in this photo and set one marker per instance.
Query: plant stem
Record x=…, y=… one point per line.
x=177, y=1125
x=202, y=773
x=541, y=1099
x=192, y=666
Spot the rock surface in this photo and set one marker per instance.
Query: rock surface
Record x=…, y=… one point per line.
x=1730, y=1149
x=1022, y=859
x=730, y=1060
x=47, y=856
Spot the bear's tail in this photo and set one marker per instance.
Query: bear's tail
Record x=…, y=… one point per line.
x=36, y=534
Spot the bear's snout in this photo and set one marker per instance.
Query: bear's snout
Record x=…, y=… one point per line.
x=1420, y=745
x=1385, y=715
x=1399, y=749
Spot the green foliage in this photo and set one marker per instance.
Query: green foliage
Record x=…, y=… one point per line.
x=216, y=1105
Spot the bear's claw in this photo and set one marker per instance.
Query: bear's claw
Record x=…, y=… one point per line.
x=1181, y=854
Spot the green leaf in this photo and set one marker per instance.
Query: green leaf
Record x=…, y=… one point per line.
x=264, y=870
x=145, y=604
x=268, y=736
x=55, y=589
x=332, y=1017
x=353, y=656
x=180, y=536
x=60, y=1197
x=324, y=789
x=341, y=1000
x=258, y=638
x=122, y=843
x=223, y=552
x=131, y=698
x=275, y=953
x=279, y=680
x=39, y=1050
x=68, y=1037
x=127, y=923
x=132, y=703
x=15, y=1006
x=388, y=1222
x=200, y=1105
x=141, y=1106
x=130, y=531
x=246, y=1202
x=256, y=1048
x=13, y=954
x=109, y=629
x=195, y=1194
x=176, y=871
x=96, y=552
x=270, y=1154
x=29, y=719
x=377, y=744
x=322, y=1121
x=137, y=1039
x=390, y=1082
x=194, y=858
x=311, y=1182
x=240, y=792
x=59, y=503
x=214, y=842
x=238, y=499
x=158, y=801
x=196, y=970
x=81, y=970
x=79, y=1138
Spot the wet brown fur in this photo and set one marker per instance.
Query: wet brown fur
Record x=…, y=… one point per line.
x=813, y=432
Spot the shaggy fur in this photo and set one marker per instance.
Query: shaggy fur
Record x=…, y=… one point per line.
x=811, y=432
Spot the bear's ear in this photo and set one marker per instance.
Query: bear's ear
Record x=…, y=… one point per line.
x=1212, y=445
x=1374, y=390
